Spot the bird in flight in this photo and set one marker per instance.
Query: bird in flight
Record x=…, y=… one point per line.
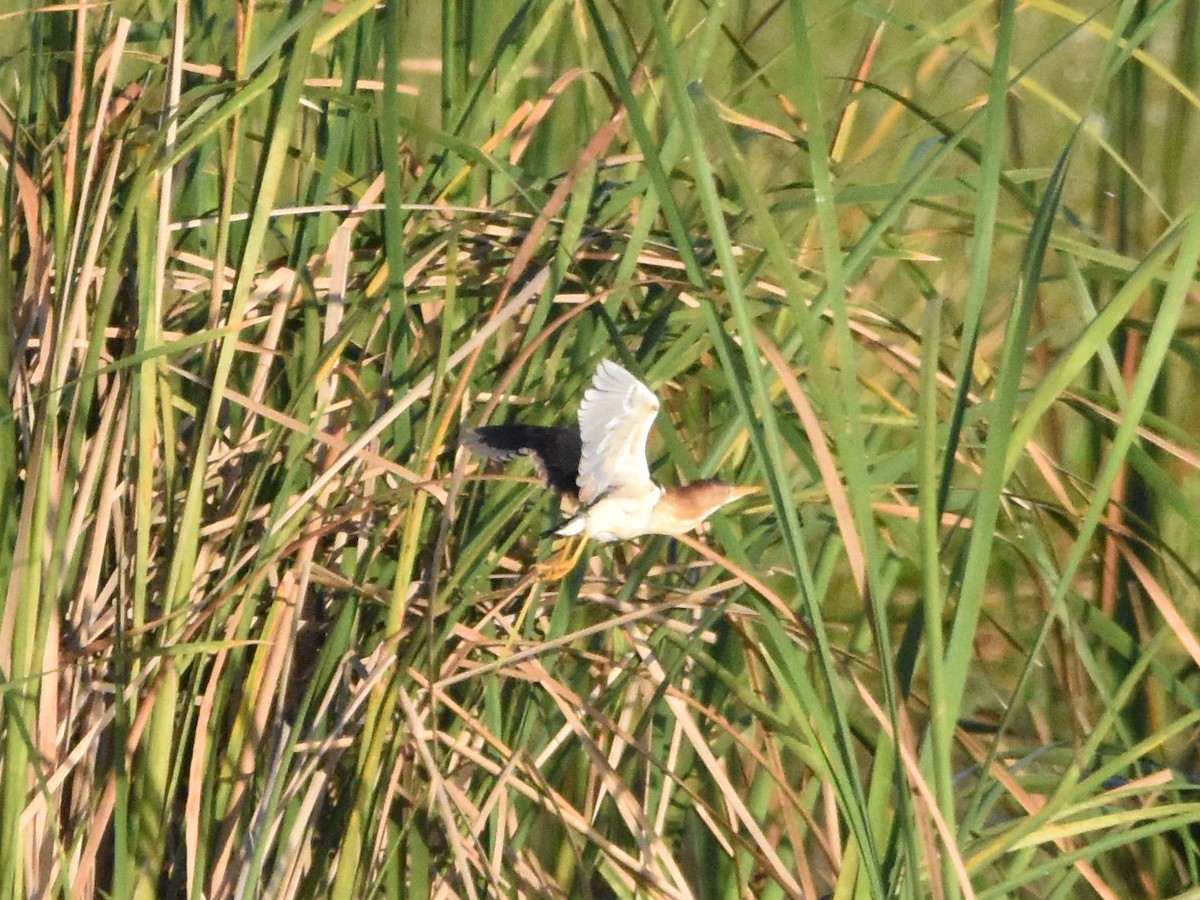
x=602, y=465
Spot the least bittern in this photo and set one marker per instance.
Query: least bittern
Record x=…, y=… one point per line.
x=602, y=465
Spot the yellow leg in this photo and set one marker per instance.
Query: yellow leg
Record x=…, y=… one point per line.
x=561, y=565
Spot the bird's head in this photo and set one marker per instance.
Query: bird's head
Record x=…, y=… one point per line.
x=683, y=508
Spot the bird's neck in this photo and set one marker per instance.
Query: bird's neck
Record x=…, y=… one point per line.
x=675, y=513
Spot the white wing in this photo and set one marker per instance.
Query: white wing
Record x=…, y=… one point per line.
x=614, y=422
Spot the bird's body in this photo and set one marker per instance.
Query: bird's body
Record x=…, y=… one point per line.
x=617, y=516
x=603, y=464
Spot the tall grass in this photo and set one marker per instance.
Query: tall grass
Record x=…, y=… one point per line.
x=926, y=272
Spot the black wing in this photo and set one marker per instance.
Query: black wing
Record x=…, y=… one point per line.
x=556, y=450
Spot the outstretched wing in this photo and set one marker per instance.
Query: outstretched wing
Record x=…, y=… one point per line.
x=614, y=422
x=555, y=450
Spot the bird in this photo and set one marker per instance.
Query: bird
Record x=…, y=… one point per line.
x=602, y=466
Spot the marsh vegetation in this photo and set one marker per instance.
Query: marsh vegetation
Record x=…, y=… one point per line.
x=924, y=271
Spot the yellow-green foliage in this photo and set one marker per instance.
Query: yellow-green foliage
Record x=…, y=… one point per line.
x=921, y=270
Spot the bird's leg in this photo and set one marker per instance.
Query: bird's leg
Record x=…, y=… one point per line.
x=568, y=557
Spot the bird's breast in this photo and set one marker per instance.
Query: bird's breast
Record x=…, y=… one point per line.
x=622, y=515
